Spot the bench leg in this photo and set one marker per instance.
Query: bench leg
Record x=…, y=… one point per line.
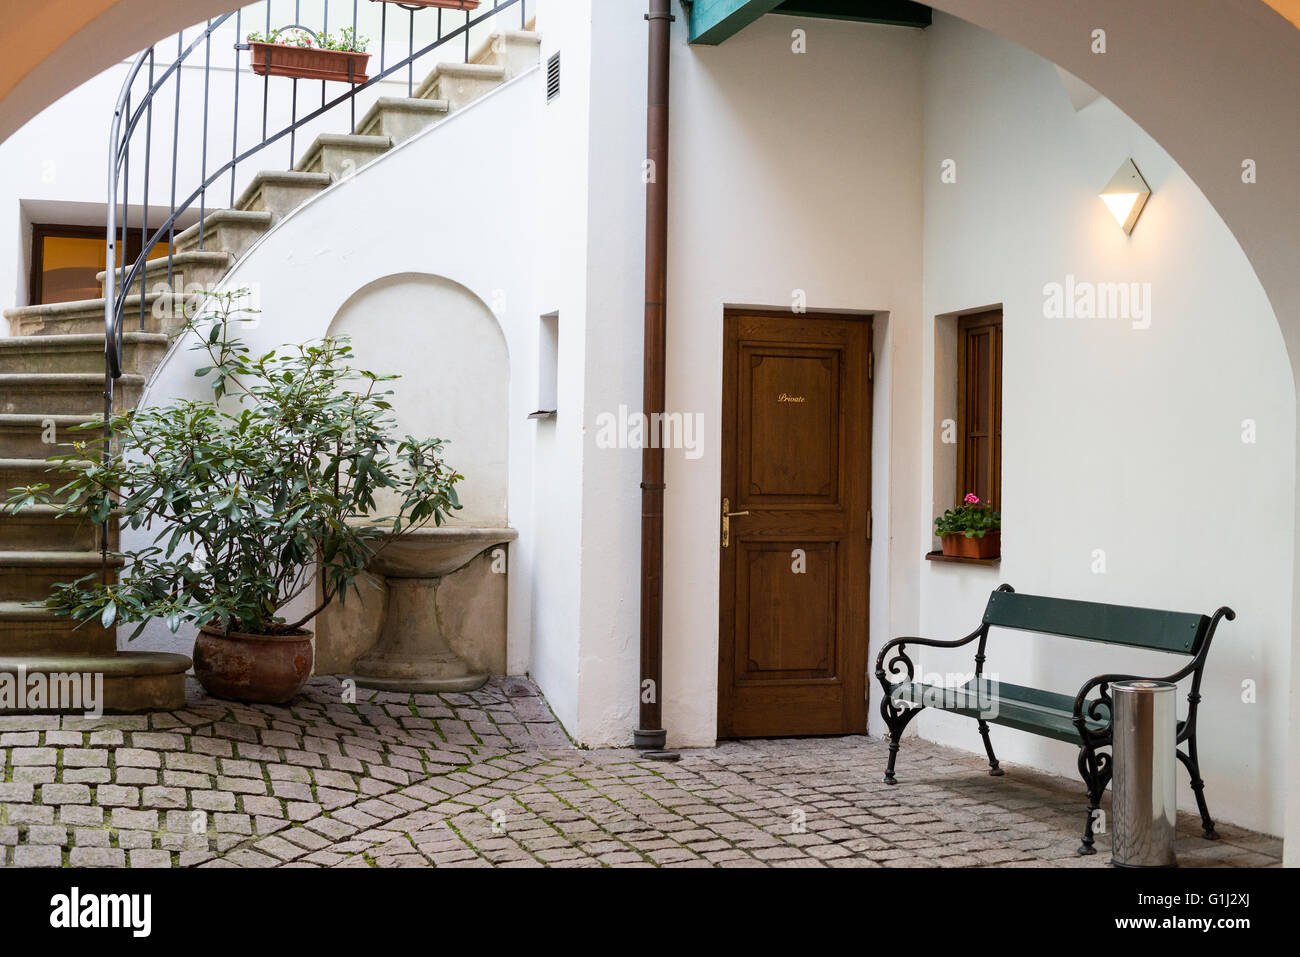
x=994, y=768
x=1095, y=768
x=1094, y=805
x=897, y=720
x=1198, y=788
x=893, y=756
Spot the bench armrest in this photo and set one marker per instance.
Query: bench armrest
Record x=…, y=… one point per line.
x=1084, y=708
x=901, y=665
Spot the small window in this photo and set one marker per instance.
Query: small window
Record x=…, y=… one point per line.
x=548, y=367
x=66, y=259
x=979, y=407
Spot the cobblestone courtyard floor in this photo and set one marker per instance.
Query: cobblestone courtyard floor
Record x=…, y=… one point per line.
x=490, y=778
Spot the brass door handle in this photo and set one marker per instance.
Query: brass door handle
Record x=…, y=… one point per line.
x=727, y=516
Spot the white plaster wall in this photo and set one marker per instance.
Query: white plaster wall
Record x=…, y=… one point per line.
x=448, y=349
x=560, y=156
x=1120, y=439
x=609, y=666
x=731, y=140
x=791, y=172
x=395, y=217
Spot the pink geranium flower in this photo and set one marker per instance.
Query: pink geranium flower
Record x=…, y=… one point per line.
x=972, y=498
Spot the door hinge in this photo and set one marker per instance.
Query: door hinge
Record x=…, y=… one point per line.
x=871, y=366
x=868, y=524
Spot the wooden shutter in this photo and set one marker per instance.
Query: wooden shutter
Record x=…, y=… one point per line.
x=979, y=412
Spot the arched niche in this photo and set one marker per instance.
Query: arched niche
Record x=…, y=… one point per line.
x=451, y=354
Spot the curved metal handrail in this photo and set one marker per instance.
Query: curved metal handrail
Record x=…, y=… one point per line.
x=119, y=280
x=118, y=149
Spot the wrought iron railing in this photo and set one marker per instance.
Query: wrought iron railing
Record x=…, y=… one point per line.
x=134, y=118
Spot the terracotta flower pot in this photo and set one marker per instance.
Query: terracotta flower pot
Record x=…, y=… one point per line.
x=959, y=546
x=445, y=4
x=263, y=669
x=308, y=63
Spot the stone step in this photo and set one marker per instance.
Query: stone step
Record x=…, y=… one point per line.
x=40, y=528
x=190, y=272
x=141, y=353
x=460, y=83
x=64, y=392
x=27, y=629
x=232, y=231
x=83, y=317
x=342, y=154
x=516, y=50
x=280, y=192
x=400, y=117
x=24, y=473
x=34, y=436
x=133, y=681
x=29, y=575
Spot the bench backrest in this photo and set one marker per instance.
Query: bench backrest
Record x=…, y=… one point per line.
x=1173, y=631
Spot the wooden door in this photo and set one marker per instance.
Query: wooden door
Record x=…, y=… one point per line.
x=796, y=447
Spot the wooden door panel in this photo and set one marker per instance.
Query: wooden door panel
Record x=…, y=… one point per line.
x=804, y=709
x=796, y=463
x=801, y=416
x=785, y=628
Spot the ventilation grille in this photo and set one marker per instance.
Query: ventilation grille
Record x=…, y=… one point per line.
x=552, y=78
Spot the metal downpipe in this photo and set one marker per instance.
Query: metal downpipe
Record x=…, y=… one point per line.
x=650, y=737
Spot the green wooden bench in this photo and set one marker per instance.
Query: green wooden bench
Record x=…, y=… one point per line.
x=1084, y=718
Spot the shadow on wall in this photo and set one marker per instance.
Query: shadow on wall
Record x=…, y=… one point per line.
x=451, y=354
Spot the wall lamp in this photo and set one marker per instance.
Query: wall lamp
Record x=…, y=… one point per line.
x=1126, y=196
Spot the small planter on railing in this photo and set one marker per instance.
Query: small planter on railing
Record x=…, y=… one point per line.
x=444, y=4
x=298, y=53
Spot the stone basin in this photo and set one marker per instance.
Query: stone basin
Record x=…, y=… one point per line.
x=413, y=654
x=437, y=552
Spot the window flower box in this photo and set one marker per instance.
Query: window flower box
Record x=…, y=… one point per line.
x=971, y=530
x=444, y=4
x=308, y=63
x=959, y=546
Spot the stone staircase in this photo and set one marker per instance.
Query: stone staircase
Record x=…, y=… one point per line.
x=52, y=378
x=49, y=383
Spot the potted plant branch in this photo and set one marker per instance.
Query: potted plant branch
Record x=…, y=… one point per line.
x=261, y=500
x=299, y=53
x=971, y=530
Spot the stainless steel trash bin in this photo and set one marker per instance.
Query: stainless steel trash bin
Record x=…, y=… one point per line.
x=1144, y=807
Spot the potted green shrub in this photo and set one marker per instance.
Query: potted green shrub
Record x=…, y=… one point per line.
x=971, y=530
x=299, y=53
x=260, y=496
